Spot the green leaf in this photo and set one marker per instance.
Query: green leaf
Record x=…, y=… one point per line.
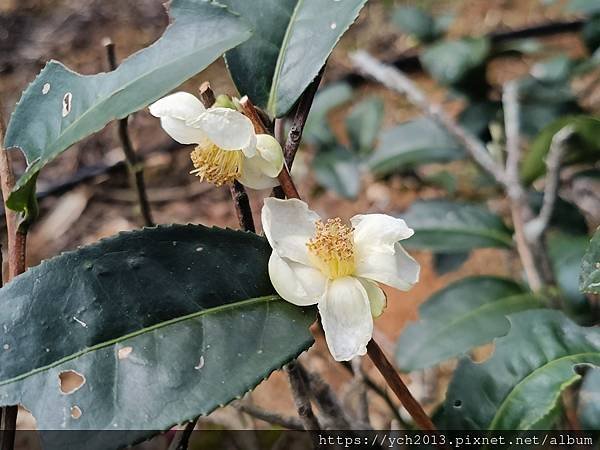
x=420, y=141
x=584, y=6
x=589, y=280
x=164, y=323
x=418, y=23
x=293, y=40
x=519, y=387
x=338, y=169
x=464, y=315
x=454, y=62
x=446, y=226
x=554, y=70
x=476, y=117
x=316, y=129
x=591, y=32
x=588, y=409
x=583, y=146
x=444, y=263
x=62, y=107
x=363, y=124
x=566, y=252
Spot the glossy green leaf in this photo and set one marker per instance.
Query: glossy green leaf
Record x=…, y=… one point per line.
x=338, y=169
x=519, y=387
x=588, y=409
x=363, y=124
x=553, y=70
x=590, y=267
x=412, y=143
x=453, y=62
x=447, y=226
x=464, y=315
x=591, y=32
x=293, y=40
x=316, y=129
x=584, y=145
x=62, y=107
x=164, y=324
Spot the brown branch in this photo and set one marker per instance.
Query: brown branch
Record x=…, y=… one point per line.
x=241, y=202
x=394, y=381
x=295, y=134
x=242, y=206
x=17, y=251
x=207, y=96
x=291, y=423
x=394, y=79
x=285, y=180
x=135, y=167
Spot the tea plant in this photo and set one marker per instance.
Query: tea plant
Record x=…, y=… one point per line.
x=168, y=323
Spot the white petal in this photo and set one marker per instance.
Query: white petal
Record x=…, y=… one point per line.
x=346, y=318
x=250, y=150
x=298, y=284
x=377, y=298
x=181, y=132
x=226, y=128
x=180, y=105
x=289, y=225
x=397, y=269
x=253, y=176
x=270, y=153
x=379, y=231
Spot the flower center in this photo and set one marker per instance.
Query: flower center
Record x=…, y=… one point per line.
x=332, y=248
x=215, y=165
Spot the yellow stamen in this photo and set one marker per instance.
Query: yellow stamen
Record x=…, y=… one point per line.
x=332, y=248
x=215, y=165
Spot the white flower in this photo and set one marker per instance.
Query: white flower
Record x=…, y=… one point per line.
x=337, y=268
x=227, y=147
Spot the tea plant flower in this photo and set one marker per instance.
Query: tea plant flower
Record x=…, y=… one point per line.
x=227, y=148
x=337, y=267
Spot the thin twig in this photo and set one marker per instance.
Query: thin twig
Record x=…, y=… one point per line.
x=392, y=378
x=326, y=400
x=519, y=207
x=285, y=180
x=135, y=167
x=207, y=96
x=241, y=202
x=242, y=206
x=510, y=104
x=394, y=79
x=291, y=423
x=17, y=251
x=361, y=390
x=536, y=227
x=295, y=134
x=301, y=396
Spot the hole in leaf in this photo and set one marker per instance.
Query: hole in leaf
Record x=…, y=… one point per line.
x=70, y=381
x=75, y=412
x=457, y=403
x=67, y=99
x=124, y=352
